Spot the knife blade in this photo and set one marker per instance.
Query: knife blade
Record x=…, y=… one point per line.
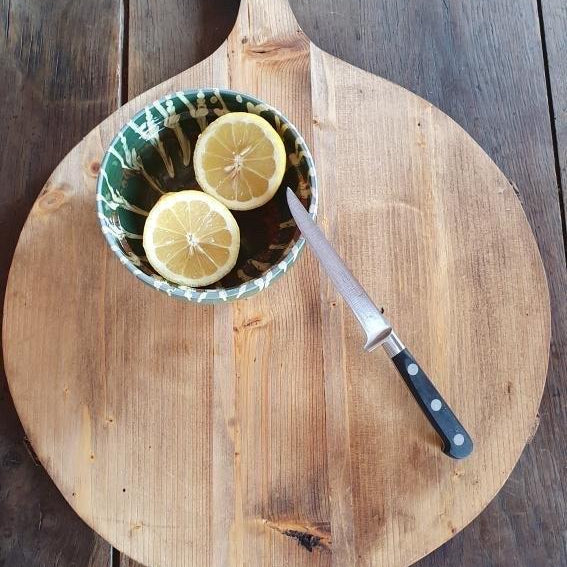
x=457, y=443
x=374, y=324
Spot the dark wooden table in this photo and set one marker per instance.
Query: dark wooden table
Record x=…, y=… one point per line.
x=498, y=67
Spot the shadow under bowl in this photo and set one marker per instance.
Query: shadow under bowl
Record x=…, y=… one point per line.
x=152, y=155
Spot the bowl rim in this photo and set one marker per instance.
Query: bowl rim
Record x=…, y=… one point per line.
x=212, y=295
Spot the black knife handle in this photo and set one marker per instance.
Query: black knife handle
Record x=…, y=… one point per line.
x=456, y=441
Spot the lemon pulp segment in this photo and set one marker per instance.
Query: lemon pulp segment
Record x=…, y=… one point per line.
x=191, y=238
x=240, y=160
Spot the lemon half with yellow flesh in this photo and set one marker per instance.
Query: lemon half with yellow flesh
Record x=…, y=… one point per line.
x=240, y=160
x=191, y=239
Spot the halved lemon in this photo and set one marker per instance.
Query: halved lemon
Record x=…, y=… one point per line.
x=191, y=238
x=240, y=160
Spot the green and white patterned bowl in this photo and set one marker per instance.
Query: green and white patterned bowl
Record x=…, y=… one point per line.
x=152, y=155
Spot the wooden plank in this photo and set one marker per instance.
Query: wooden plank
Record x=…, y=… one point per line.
x=163, y=40
x=482, y=64
x=58, y=65
x=186, y=34
x=166, y=38
x=554, y=22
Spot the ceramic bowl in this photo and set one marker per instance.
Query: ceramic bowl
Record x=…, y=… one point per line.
x=152, y=154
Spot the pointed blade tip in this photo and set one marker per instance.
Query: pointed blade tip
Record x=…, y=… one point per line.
x=291, y=197
x=295, y=205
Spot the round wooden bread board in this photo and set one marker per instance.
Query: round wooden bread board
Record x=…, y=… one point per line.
x=192, y=435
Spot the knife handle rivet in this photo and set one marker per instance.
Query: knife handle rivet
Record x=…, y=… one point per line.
x=458, y=439
x=436, y=404
x=413, y=369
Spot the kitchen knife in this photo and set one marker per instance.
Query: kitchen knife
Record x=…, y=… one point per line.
x=456, y=441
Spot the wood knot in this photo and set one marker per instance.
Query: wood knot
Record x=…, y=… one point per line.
x=255, y=321
x=251, y=323
x=308, y=536
x=51, y=199
x=278, y=50
x=308, y=541
x=94, y=168
x=134, y=527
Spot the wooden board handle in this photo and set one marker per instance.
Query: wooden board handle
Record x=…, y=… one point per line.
x=262, y=22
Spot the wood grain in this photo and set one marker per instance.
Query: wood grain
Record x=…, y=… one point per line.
x=58, y=80
x=482, y=64
x=265, y=408
x=168, y=37
x=418, y=222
